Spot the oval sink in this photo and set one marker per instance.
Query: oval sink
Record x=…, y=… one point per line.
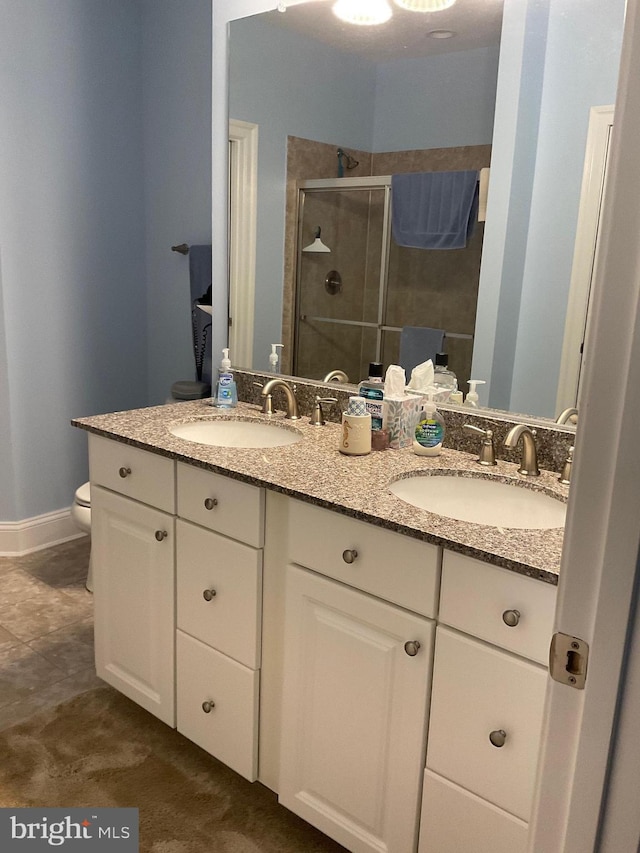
x=229, y=433
x=482, y=501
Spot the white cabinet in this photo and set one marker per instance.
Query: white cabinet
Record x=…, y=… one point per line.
x=486, y=710
x=354, y=710
x=163, y=582
x=133, y=559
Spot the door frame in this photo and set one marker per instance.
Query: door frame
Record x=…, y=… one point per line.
x=585, y=255
x=243, y=217
x=602, y=537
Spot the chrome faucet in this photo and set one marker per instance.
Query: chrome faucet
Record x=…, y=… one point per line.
x=529, y=460
x=292, y=404
x=570, y=414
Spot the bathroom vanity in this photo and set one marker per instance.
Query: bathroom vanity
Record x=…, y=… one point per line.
x=381, y=668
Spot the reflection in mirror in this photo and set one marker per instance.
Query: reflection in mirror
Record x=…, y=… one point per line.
x=302, y=91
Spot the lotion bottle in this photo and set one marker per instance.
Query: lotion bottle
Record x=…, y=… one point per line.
x=429, y=430
x=472, y=396
x=226, y=396
x=273, y=358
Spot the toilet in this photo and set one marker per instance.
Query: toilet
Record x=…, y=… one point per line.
x=81, y=507
x=81, y=517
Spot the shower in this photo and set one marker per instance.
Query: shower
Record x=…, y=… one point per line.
x=351, y=305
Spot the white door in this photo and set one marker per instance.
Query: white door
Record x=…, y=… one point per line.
x=133, y=576
x=354, y=714
x=603, y=523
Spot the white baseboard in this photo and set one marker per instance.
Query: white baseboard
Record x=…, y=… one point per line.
x=34, y=534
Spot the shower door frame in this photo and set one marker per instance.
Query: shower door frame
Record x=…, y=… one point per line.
x=375, y=182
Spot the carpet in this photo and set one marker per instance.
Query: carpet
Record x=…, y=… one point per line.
x=100, y=749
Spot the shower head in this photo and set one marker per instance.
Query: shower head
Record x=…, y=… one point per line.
x=350, y=163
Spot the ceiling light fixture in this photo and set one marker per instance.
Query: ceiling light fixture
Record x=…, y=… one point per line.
x=424, y=5
x=364, y=13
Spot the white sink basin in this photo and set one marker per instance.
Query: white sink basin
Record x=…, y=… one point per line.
x=230, y=433
x=482, y=501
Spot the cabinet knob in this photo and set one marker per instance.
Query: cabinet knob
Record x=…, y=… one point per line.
x=349, y=555
x=498, y=737
x=124, y=472
x=412, y=647
x=208, y=707
x=511, y=618
x=208, y=594
x=210, y=503
x=161, y=534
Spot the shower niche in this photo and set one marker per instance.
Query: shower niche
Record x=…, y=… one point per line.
x=353, y=296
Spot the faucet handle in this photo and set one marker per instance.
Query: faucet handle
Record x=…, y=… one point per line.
x=317, y=418
x=487, y=454
x=565, y=474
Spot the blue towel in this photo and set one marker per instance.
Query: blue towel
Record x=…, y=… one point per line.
x=434, y=210
x=417, y=344
x=200, y=282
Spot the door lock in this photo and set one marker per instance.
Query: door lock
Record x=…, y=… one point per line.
x=568, y=658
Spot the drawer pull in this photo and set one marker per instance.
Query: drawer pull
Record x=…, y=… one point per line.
x=498, y=737
x=208, y=707
x=208, y=594
x=124, y=472
x=350, y=555
x=412, y=647
x=161, y=534
x=210, y=503
x=511, y=618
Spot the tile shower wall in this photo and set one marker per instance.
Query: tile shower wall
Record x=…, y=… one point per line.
x=429, y=288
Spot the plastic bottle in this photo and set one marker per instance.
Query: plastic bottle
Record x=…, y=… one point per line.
x=273, y=358
x=372, y=389
x=472, y=396
x=444, y=378
x=429, y=431
x=226, y=396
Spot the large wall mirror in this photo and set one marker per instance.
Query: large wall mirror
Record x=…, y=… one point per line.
x=513, y=89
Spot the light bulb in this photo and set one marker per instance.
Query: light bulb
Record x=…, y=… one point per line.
x=365, y=13
x=424, y=5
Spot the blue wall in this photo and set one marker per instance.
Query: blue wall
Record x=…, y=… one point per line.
x=86, y=222
x=441, y=102
x=535, y=189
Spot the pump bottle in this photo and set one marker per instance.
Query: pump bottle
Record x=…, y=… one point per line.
x=226, y=396
x=273, y=358
x=472, y=396
x=429, y=431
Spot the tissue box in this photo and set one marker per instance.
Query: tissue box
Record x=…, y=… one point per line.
x=399, y=417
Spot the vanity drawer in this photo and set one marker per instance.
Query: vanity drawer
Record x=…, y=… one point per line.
x=219, y=587
x=229, y=730
x=456, y=821
x=396, y=568
x=228, y=506
x=480, y=599
x=136, y=473
x=478, y=691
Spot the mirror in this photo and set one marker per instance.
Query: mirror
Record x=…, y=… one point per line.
x=552, y=70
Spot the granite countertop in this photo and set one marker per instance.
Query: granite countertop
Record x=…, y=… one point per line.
x=313, y=470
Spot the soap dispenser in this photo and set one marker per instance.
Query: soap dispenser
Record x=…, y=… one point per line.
x=429, y=431
x=273, y=358
x=472, y=396
x=226, y=396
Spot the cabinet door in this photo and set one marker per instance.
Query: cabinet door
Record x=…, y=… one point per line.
x=133, y=568
x=486, y=719
x=354, y=710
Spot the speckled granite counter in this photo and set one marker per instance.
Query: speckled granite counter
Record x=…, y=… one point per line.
x=313, y=470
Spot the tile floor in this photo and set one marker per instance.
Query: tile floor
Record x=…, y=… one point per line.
x=46, y=630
